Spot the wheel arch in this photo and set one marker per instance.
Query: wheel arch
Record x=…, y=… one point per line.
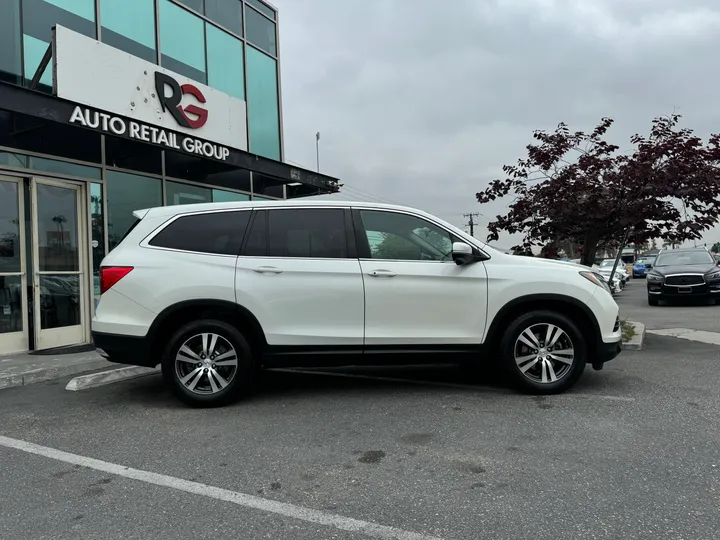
x=178, y=314
x=576, y=310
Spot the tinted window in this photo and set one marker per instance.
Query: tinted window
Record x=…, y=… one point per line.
x=256, y=245
x=225, y=62
x=404, y=237
x=182, y=41
x=129, y=25
x=307, y=233
x=220, y=232
x=228, y=13
x=260, y=31
x=126, y=193
x=262, y=104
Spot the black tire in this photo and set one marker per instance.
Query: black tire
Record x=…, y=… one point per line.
x=237, y=385
x=536, y=320
x=653, y=301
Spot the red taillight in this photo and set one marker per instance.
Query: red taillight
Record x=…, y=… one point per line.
x=110, y=275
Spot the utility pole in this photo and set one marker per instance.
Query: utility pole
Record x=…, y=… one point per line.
x=317, y=150
x=471, y=223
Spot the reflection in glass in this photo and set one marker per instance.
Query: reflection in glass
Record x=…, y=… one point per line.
x=38, y=18
x=227, y=13
x=10, y=64
x=129, y=25
x=11, y=319
x=182, y=41
x=98, y=233
x=125, y=194
x=260, y=31
x=59, y=301
x=57, y=229
x=225, y=62
x=63, y=167
x=177, y=193
x=10, y=247
x=262, y=104
x=220, y=195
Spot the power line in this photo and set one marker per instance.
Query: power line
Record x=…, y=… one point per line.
x=471, y=223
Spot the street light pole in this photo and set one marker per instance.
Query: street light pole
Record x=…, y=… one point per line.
x=317, y=150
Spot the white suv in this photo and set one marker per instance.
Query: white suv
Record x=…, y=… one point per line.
x=213, y=292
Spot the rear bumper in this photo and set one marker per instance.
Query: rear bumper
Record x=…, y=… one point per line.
x=122, y=349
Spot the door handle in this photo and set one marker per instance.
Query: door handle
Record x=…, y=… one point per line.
x=382, y=273
x=267, y=270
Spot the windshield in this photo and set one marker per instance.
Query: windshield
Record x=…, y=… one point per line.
x=649, y=260
x=610, y=262
x=682, y=258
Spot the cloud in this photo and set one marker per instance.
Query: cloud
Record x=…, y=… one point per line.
x=421, y=102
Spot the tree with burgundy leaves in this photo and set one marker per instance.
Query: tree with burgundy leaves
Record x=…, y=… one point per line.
x=577, y=187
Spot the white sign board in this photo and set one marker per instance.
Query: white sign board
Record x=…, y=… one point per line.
x=96, y=75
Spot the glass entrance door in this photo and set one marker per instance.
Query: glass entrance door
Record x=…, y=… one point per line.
x=13, y=276
x=59, y=261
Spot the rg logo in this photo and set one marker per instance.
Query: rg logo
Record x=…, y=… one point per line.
x=171, y=103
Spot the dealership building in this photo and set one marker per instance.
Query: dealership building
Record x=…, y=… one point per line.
x=111, y=106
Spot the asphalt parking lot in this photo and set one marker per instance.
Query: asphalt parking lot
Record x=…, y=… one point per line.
x=696, y=315
x=632, y=451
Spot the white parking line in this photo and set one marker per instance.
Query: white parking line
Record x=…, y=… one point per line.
x=309, y=515
x=713, y=338
x=440, y=384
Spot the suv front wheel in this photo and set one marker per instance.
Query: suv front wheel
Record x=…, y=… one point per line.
x=544, y=352
x=207, y=363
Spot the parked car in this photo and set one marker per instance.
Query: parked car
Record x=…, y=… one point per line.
x=642, y=266
x=605, y=269
x=684, y=273
x=212, y=292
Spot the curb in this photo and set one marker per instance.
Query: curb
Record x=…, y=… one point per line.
x=637, y=342
x=49, y=374
x=107, y=377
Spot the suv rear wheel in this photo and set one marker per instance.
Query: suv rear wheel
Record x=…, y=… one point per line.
x=207, y=363
x=544, y=352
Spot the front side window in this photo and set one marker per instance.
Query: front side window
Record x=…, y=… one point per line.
x=404, y=237
x=218, y=233
x=307, y=233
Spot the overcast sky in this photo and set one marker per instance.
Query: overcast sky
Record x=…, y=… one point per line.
x=421, y=102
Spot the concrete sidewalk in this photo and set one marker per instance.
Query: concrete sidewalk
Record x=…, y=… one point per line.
x=22, y=369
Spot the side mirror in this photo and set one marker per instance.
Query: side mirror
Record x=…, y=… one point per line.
x=648, y=266
x=462, y=253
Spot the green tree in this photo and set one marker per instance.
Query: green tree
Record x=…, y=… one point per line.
x=716, y=247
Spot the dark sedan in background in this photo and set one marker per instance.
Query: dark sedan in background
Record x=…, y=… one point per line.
x=683, y=273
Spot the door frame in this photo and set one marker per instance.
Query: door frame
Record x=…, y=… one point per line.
x=18, y=341
x=69, y=335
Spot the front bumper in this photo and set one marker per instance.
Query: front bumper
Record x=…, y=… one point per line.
x=606, y=352
x=660, y=290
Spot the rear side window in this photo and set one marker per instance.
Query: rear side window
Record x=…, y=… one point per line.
x=299, y=232
x=218, y=233
x=307, y=233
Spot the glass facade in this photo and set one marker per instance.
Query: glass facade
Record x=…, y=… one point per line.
x=230, y=45
x=129, y=25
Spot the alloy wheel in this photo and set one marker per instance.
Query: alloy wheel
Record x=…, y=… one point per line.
x=206, y=363
x=544, y=353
